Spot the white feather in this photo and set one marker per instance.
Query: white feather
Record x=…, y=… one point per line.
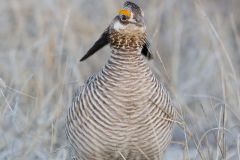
x=118, y=26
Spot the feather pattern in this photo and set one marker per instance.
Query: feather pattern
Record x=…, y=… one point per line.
x=122, y=111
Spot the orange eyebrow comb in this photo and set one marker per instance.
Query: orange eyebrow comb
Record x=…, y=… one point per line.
x=125, y=12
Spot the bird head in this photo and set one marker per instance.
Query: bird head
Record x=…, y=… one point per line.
x=130, y=18
x=127, y=32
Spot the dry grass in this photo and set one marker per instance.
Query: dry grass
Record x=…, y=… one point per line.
x=197, y=54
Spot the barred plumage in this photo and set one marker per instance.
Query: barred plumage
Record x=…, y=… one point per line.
x=122, y=112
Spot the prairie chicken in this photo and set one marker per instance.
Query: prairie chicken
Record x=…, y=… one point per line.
x=122, y=112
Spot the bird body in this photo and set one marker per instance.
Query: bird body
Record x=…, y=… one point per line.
x=123, y=111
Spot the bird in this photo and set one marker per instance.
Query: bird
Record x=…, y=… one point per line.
x=122, y=112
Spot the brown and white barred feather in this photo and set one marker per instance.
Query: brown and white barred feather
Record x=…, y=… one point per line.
x=123, y=111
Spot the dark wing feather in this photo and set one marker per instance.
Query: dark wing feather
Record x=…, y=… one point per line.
x=146, y=50
x=100, y=43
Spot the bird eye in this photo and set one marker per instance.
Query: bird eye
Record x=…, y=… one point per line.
x=124, y=18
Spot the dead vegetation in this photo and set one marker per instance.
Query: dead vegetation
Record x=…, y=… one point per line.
x=197, y=54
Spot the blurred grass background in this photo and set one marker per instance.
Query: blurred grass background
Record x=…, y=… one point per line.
x=196, y=45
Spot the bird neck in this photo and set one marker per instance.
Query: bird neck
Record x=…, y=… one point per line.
x=127, y=62
x=126, y=56
x=124, y=68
